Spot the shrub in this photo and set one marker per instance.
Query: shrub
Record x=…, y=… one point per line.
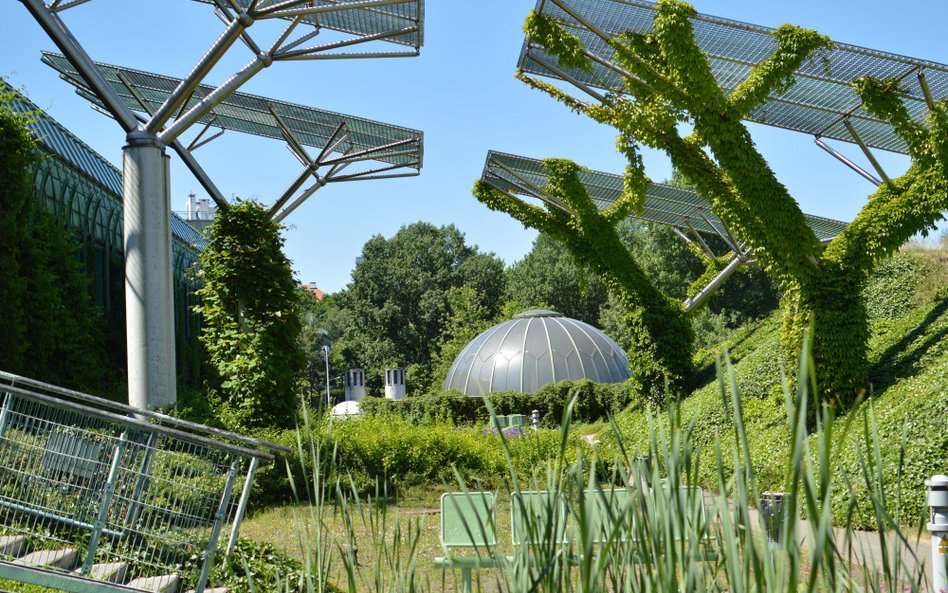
x=595, y=402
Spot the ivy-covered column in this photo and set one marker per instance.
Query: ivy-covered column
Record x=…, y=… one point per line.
x=660, y=358
x=251, y=319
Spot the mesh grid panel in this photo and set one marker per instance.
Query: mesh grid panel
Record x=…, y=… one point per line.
x=664, y=204
x=821, y=96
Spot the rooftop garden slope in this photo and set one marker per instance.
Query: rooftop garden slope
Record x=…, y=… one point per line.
x=907, y=299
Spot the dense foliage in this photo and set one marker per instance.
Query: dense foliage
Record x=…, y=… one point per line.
x=595, y=402
x=251, y=330
x=908, y=356
x=670, y=81
x=548, y=278
x=405, y=292
x=49, y=328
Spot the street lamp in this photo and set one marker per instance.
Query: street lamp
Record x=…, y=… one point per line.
x=326, y=354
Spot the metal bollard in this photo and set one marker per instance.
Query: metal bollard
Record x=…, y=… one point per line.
x=938, y=503
x=535, y=419
x=771, y=507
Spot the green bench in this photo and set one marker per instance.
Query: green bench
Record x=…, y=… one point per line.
x=468, y=521
x=508, y=421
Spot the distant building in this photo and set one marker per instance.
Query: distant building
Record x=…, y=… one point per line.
x=313, y=290
x=199, y=212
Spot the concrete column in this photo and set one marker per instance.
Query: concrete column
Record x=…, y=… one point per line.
x=395, y=383
x=355, y=385
x=149, y=295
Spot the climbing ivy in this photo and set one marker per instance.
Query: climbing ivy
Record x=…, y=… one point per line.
x=669, y=81
x=662, y=336
x=251, y=319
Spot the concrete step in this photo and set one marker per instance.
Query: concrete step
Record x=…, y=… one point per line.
x=167, y=583
x=12, y=545
x=110, y=572
x=64, y=559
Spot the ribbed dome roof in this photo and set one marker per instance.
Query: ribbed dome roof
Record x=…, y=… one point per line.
x=535, y=348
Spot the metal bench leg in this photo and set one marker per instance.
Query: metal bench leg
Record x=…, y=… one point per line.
x=465, y=580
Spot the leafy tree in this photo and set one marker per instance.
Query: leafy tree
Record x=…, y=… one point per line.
x=50, y=329
x=397, y=302
x=668, y=81
x=547, y=277
x=251, y=314
x=324, y=322
x=661, y=334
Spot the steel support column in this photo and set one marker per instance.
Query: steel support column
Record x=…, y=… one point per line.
x=149, y=295
x=712, y=286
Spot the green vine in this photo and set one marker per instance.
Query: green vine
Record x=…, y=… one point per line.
x=251, y=319
x=669, y=81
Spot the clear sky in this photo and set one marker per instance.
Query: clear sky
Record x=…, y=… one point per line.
x=460, y=91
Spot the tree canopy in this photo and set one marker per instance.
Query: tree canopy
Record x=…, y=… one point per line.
x=399, y=299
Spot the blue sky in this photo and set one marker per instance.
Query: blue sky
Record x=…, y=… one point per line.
x=460, y=91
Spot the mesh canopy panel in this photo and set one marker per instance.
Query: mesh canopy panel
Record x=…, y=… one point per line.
x=818, y=102
x=252, y=114
x=664, y=204
x=367, y=21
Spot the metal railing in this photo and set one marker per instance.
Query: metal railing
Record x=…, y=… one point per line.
x=93, y=490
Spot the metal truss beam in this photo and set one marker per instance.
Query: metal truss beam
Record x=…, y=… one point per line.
x=289, y=200
x=865, y=150
x=705, y=293
x=838, y=156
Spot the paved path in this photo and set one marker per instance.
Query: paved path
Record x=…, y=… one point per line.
x=866, y=547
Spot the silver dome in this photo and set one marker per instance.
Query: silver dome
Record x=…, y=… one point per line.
x=535, y=348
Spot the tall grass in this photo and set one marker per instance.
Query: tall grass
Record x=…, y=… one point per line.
x=639, y=522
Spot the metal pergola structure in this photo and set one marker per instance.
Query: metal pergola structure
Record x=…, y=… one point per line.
x=147, y=235
x=821, y=103
x=684, y=210
x=350, y=148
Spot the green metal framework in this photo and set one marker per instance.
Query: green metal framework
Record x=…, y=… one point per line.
x=821, y=103
x=680, y=208
x=83, y=192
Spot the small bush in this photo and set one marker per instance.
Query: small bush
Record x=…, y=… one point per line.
x=596, y=402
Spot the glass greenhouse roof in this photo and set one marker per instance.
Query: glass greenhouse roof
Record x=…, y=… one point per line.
x=664, y=204
x=370, y=20
x=258, y=115
x=534, y=349
x=820, y=101
x=54, y=138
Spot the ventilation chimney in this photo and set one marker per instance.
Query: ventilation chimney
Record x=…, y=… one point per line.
x=355, y=385
x=395, y=383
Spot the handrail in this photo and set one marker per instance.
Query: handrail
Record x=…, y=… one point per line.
x=162, y=419
x=136, y=423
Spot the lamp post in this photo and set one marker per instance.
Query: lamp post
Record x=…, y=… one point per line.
x=326, y=354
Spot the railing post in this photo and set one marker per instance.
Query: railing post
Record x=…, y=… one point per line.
x=938, y=503
x=242, y=505
x=7, y=400
x=106, y=502
x=216, y=530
